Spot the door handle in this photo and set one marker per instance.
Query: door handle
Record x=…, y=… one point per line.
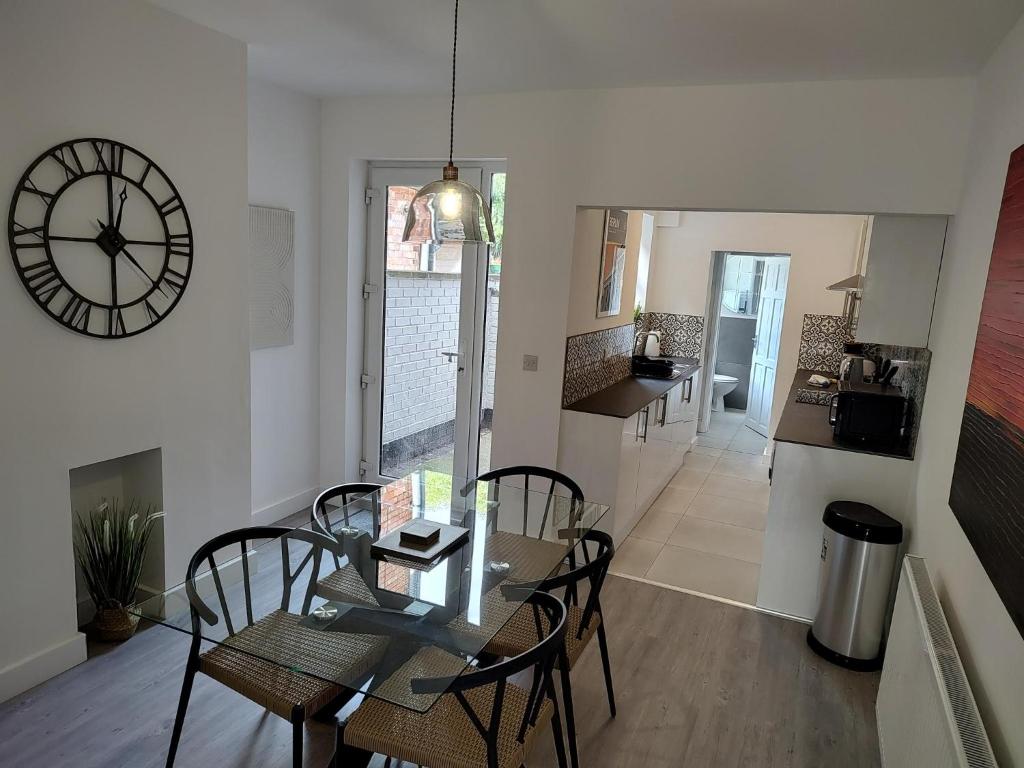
x=664, y=411
x=456, y=356
x=688, y=389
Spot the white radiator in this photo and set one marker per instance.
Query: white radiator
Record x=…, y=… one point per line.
x=926, y=712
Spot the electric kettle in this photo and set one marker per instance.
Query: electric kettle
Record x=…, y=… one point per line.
x=647, y=343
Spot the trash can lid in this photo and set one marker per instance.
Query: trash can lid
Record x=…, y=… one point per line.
x=862, y=522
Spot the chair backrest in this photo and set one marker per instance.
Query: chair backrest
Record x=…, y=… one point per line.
x=594, y=569
x=245, y=539
x=340, y=496
x=549, y=615
x=548, y=481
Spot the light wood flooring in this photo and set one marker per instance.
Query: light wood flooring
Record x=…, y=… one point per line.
x=699, y=683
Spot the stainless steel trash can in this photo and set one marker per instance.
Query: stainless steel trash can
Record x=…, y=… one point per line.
x=858, y=560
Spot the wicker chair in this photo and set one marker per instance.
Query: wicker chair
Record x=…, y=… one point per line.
x=525, y=472
x=483, y=719
x=240, y=662
x=343, y=495
x=345, y=582
x=582, y=623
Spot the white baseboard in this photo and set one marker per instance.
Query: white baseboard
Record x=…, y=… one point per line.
x=40, y=667
x=279, y=510
x=716, y=598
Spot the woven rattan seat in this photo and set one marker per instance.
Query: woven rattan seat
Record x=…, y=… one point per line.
x=520, y=633
x=240, y=663
x=346, y=585
x=443, y=737
x=529, y=559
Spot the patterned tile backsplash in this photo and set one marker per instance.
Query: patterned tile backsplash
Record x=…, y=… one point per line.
x=821, y=349
x=821, y=343
x=599, y=359
x=596, y=360
x=681, y=335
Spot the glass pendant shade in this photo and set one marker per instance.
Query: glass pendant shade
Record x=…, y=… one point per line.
x=448, y=211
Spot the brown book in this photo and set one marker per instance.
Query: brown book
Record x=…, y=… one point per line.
x=420, y=534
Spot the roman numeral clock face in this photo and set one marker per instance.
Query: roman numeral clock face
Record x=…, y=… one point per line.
x=100, y=238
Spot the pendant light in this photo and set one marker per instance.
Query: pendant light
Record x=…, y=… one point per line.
x=449, y=210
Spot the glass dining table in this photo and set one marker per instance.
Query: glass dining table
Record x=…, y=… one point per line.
x=327, y=601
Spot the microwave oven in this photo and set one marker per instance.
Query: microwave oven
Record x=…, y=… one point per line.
x=871, y=416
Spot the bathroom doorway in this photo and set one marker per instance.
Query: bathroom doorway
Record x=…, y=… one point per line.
x=746, y=304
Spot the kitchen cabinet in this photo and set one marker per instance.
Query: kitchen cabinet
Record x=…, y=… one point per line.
x=626, y=462
x=903, y=256
x=805, y=479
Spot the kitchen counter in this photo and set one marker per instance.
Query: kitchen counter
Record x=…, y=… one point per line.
x=807, y=423
x=634, y=393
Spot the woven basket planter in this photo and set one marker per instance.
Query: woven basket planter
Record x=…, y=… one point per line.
x=112, y=625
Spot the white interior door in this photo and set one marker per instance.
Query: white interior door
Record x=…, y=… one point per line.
x=424, y=339
x=767, y=340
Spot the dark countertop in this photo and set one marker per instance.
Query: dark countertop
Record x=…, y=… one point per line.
x=624, y=398
x=807, y=424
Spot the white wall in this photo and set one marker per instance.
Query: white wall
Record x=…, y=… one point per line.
x=823, y=249
x=585, y=277
x=992, y=647
x=120, y=69
x=878, y=146
x=284, y=172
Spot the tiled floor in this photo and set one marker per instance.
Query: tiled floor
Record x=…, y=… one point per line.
x=728, y=433
x=705, y=532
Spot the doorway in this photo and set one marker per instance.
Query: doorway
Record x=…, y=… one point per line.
x=746, y=305
x=431, y=320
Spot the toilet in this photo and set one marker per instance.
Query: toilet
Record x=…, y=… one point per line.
x=722, y=386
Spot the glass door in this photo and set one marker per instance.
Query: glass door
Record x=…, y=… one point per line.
x=430, y=336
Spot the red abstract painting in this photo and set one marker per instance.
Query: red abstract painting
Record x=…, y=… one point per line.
x=987, y=494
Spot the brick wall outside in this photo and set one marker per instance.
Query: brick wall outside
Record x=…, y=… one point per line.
x=421, y=321
x=396, y=510
x=409, y=257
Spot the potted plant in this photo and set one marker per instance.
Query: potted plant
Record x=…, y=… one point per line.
x=110, y=547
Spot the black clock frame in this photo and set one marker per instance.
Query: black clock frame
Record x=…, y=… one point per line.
x=178, y=244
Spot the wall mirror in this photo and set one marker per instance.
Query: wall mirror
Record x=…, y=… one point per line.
x=613, y=263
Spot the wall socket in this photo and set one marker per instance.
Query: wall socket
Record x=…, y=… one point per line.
x=529, y=362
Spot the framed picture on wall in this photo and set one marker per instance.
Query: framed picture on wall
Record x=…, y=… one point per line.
x=613, y=263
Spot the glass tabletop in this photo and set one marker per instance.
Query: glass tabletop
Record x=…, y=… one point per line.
x=335, y=601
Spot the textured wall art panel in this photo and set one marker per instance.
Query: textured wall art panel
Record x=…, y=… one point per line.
x=596, y=360
x=272, y=277
x=681, y=335
x=821, y=343
x=987, y=493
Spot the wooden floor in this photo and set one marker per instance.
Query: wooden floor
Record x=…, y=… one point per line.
x=698, y=683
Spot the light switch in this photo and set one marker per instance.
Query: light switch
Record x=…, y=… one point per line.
x=529, y=362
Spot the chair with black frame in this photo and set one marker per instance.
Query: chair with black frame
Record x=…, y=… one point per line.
x=345, y=582
x=582, y=623
x=482, y=719
x=241, y=660
x=520, y=476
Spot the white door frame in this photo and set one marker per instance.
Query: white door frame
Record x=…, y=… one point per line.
x=469, y=376
x=712, y=313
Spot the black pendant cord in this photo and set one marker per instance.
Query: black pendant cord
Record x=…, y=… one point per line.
x=451, y=120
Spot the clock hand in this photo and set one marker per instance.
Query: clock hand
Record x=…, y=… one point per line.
x=140, y=268
x=110, y=199
x=120, y=211
x=113, y=283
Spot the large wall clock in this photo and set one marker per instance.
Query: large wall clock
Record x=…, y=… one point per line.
x=100, y=238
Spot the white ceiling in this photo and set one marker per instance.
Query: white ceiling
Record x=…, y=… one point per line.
x=401, y=46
